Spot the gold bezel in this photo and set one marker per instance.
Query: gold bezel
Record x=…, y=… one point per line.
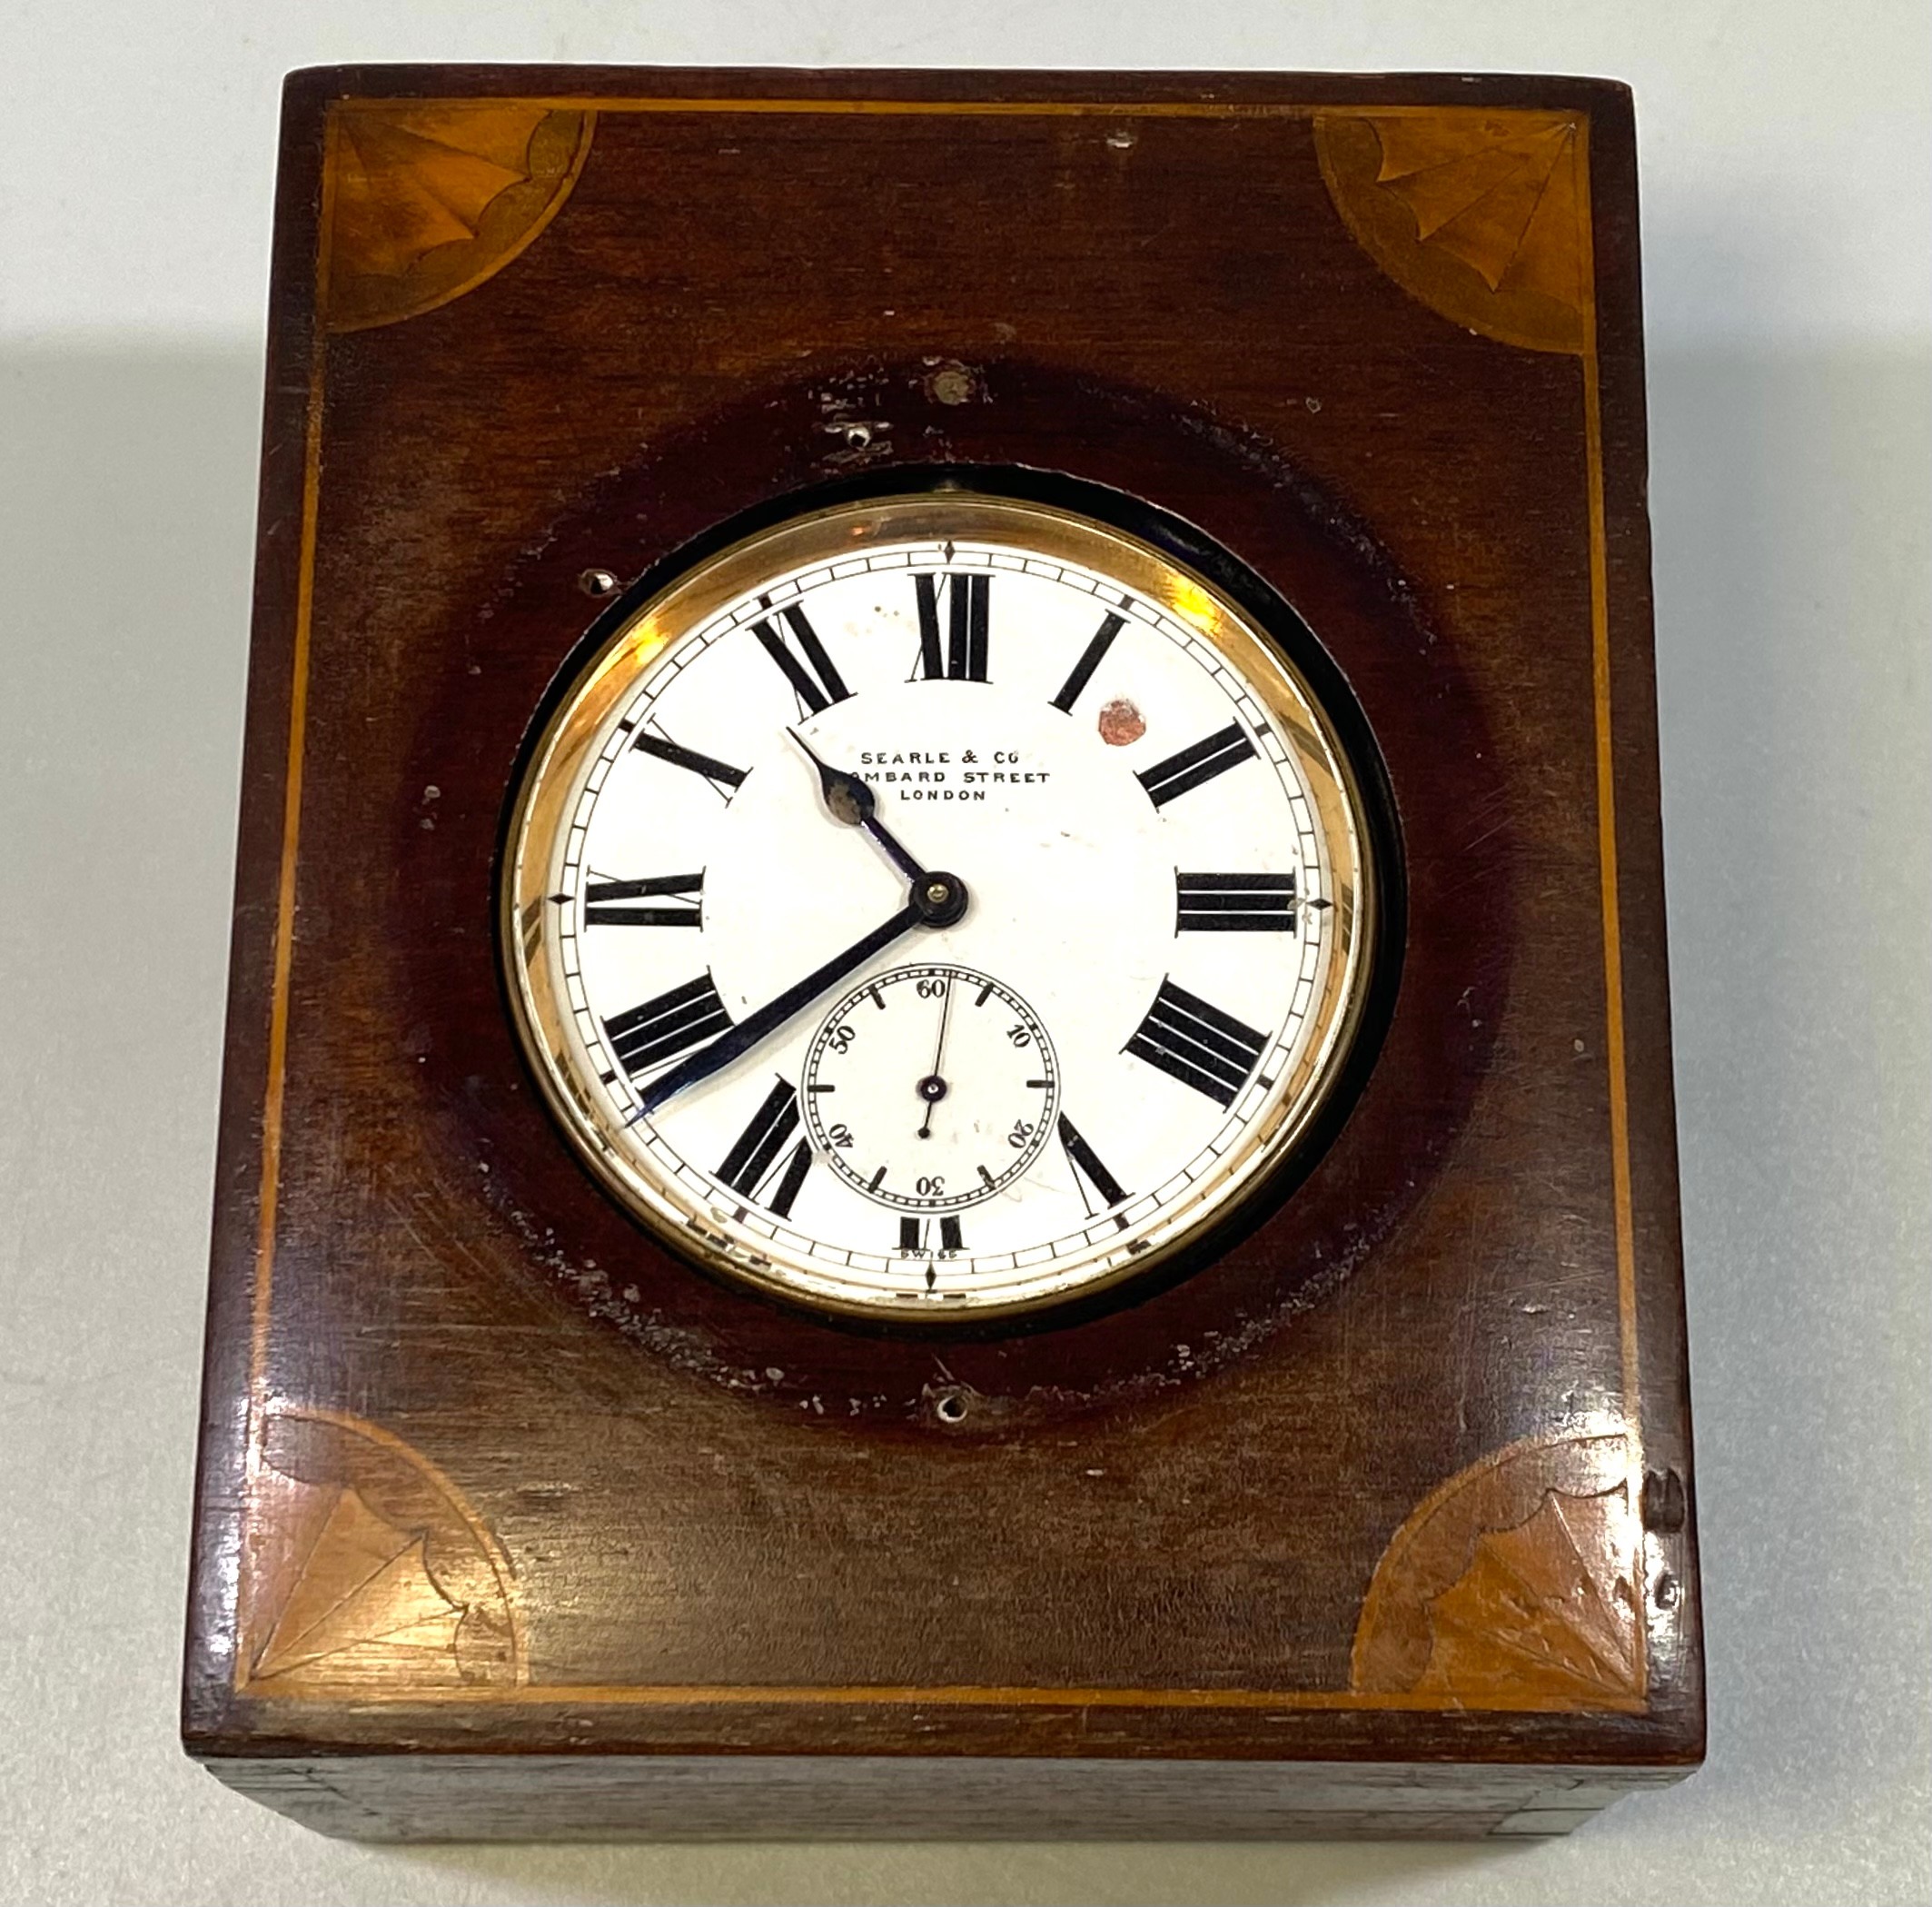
x=549, y=784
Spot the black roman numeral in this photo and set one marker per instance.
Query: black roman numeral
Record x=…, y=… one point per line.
x=963, y=658
x=687, y=910
x=1197, y=1043
x=1090, y=660
x=1234, y=903
x=809, y=670
x=673, y=1023
x=1088, y=1170
x=1224, y=750
x=721, y=773
x=912, y=1235
x=753, y=1160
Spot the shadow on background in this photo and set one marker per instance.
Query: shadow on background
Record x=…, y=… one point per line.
x=1792, y=497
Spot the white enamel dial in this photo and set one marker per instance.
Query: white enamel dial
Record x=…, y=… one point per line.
x=941, y=905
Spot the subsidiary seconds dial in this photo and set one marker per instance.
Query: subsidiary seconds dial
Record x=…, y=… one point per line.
x=941, y=904
x=931, y=1089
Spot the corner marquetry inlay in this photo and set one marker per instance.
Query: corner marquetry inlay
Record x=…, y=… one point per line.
x=371, y=1572
x=1517, y=1582
x=1481, y=216
x=428, y=198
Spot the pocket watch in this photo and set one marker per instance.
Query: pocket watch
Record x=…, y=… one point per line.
x=942, y=904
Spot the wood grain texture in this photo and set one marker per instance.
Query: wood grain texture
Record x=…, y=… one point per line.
x=654, y=1516
x=471, y=1797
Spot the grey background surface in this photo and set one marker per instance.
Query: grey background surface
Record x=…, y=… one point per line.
x=1785, y=153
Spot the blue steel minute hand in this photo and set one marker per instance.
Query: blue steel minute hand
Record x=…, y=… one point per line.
x=769, y=1017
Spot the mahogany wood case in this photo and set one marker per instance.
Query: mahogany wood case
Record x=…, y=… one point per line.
x=510, y=1522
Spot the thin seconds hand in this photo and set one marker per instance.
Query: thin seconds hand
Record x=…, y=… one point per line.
x=931, y=1089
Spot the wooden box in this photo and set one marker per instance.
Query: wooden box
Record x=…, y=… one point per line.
x=510, y=1524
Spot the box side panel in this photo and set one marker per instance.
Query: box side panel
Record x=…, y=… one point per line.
x=804, y=1798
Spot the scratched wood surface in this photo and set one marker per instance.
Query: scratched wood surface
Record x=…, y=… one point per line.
x=1401, y=1475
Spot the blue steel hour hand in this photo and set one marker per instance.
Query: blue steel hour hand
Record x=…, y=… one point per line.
x=852, y=801
x=936, y=900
